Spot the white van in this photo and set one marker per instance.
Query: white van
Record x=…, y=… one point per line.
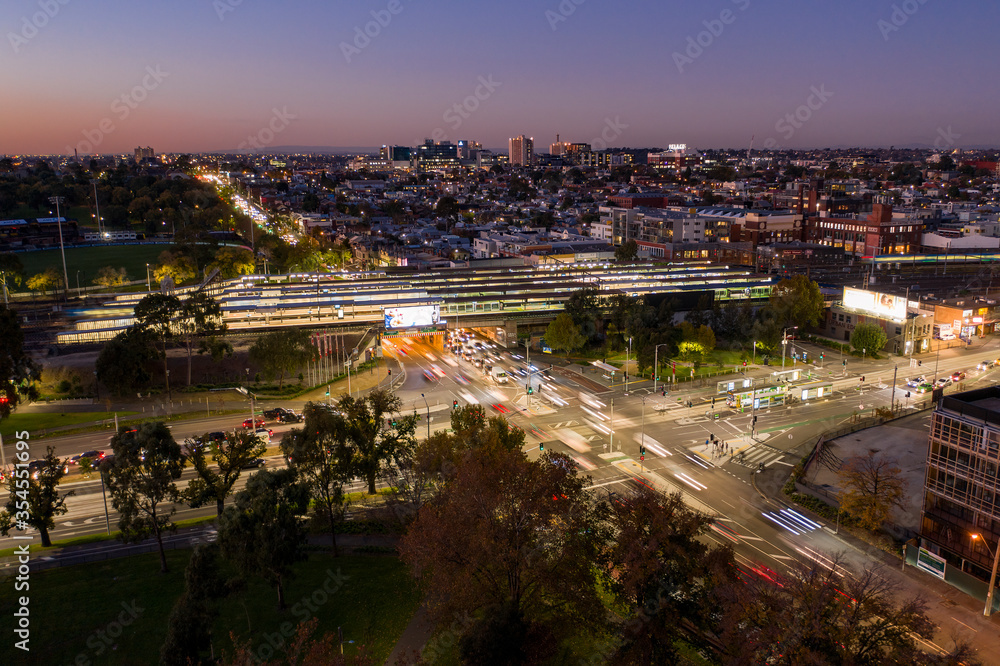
x=499, y=375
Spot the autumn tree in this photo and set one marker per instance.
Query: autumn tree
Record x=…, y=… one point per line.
x=11, y=272
x=262, y=534
x=872, y=485
x=109, y=276
x=513, y=542
x=563, y=334
x=47, y=280
x=378, y=435
x=229, y=457
x=35, y=502
x=233, y=262
x=142, y=482
x=661, y=570
x=175, y=265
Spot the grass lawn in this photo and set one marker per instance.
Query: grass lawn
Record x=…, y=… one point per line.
x=69, y=607
x=34, y=423
x=88, y=260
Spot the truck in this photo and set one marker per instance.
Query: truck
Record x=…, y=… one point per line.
x=498, y=374
x=943, y=332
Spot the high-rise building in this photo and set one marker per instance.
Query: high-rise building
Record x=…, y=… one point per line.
x=962, y=482
x=430, y=155
x=143, y=154
x=522, y=151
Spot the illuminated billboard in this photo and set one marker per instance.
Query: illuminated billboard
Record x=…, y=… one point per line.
x=886, y=306
x=413, y=316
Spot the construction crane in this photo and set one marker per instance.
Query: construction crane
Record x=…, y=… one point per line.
x=750, y=149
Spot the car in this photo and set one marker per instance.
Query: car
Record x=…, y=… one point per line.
x=255, y=423
x=957, y=376
x=264, y=433
x=916, y=381
x=274, y=413
x=35, y=467
x=429, y=376
x=943, y=381
x=291, y=417
x=94, y=455
x=256, y=463
x=985, y=365
x=925, y=388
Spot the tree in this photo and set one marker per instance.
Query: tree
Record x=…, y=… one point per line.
x=868, y=337
x=155, y=314
x=109, y=276
x=18, y=372
x=47, y=280
x=662, y=573
x=142, y=479
x=198, y=315
x=178, y=267
x=230, y=455
x=627, y=252
x=319, y=453
x=122, y=364
x=304, y=649
x=233, y=262
x=262, y=534
x=11, y=272
x=797, y=301
x=378, y=435
x=584, y=306
x=563, y=334
x=280, y=353
x=514, y=541
x=189, y=626
x=872, y=486
x=36, y=502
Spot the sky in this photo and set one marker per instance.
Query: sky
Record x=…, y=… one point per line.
x=105, y=76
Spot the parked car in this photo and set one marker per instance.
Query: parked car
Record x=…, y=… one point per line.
x=255, y=423
x=957, y=376
x=291, y=417
x=916, y=381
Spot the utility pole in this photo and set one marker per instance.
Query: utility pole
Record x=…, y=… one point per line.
x=892, y=401
x=428, y=416
x=628, y=354
x=612, y=424
x=62, y=249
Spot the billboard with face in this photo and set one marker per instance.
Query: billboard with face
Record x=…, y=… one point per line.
x=412, y=316
x=875, y=303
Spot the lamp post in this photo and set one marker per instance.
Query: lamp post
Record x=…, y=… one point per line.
x=428, y=416
x=79, y=292
x=100, y=231
x=628, y=355
x=149, y=287
x=62, y=250
x=656, y=363
x=612, y=424
x=988, y=610
x=642, y=430
x=755, y=352
x=784, y=343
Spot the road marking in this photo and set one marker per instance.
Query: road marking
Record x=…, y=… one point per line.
x=965, y=625
x=780, y=462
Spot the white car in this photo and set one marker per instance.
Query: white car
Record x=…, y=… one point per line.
x=264, y=434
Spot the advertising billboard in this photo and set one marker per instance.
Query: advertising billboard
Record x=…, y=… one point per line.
x=412, y=316
x=886, y=306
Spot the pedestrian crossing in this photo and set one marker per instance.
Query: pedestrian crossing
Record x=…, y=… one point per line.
x=757, y=455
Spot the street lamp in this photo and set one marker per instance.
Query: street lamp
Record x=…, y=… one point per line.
x=100, y=231
x=628, y=354
x=62, y=250
x=428, y=416
x=988, y=610
x=149, y=287
x=784, y=343
x=755, y=352
x=656, y=363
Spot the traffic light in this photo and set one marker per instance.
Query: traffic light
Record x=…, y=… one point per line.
x=454, y=404
x=919, y=362
x=744, y=364
x=642, y=449
x=541, y=447
x=822, y=356
x=713, y=402
x=844, y=362
x=862, y=379
x=664, y=393
x=530, y=391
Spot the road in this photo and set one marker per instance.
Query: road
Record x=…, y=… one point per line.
x=601, y=428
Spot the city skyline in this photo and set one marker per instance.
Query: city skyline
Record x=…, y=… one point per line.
x=226, y=75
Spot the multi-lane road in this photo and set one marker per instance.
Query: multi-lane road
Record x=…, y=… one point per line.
x=601, y=427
